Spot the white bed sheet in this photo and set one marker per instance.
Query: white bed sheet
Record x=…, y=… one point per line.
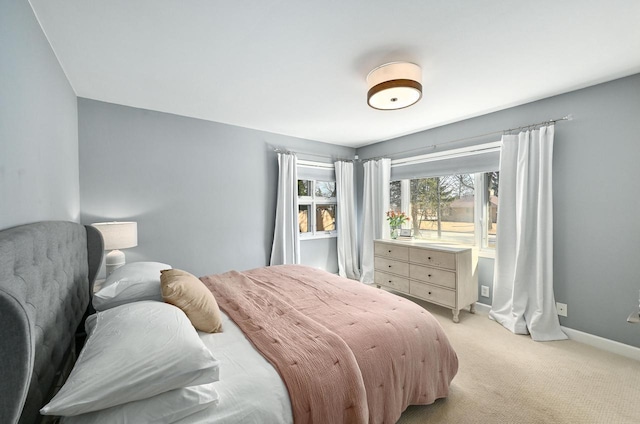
x=250, y=389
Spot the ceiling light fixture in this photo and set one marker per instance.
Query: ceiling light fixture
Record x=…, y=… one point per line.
x=394, y=85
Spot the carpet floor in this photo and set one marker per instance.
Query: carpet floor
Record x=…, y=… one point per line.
x=507, y=378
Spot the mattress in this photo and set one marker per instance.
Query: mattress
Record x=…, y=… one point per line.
x=250, y=389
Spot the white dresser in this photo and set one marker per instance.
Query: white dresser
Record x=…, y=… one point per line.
x=441, y=274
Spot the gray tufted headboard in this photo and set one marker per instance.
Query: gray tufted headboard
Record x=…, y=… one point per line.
x=47, y=271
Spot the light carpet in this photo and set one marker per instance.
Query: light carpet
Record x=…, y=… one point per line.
x=507, y=378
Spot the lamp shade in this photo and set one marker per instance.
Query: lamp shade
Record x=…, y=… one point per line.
x=118, y=235
x=394, y=85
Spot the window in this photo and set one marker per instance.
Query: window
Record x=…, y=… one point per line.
x=492, y=181
x=317, y=208
x=451, y=195
x=461, y=208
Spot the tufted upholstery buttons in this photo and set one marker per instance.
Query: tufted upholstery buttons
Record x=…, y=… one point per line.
x=44, y=269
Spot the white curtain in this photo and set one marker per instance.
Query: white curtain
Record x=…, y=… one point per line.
x=375, y=203
x=286, y=238
x=347, y=241
x=523, y=299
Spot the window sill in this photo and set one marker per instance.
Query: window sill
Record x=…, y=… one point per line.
x=482, y=253
x=487, y=253
x=319, y=236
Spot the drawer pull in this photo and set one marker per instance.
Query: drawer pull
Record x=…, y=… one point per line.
x=389, y=251
x=389, y=280
x=389, y=266
x=429, y=275
x=429, y=292
x=429, y=257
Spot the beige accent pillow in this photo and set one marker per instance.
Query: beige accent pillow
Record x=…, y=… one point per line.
x=188, y=293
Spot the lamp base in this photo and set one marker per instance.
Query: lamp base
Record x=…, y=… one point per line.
x=114, y=260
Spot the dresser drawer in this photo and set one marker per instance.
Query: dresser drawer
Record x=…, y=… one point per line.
x=433, y=275
x=391, y=265
x=391, y=281
x=434, y=294
x=391, y=251
x=433, y=258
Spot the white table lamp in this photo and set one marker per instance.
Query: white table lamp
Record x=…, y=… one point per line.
x=117, y=235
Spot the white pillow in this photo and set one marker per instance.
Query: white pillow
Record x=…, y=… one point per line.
x=164, y=408
x=130, y=283
x=134, y=351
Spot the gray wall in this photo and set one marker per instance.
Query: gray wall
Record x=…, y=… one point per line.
x=38, y=125
x=596, y=170
x=203, y=193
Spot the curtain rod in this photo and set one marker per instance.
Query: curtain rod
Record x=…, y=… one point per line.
x=333, y=158
x=568, y=117
x=314, y=164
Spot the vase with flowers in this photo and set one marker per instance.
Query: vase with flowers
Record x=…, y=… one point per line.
x=396, y=219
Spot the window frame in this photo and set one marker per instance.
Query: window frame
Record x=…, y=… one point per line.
x=314, y=201
x=482, y=205
x=482, y=216
x=481, y=211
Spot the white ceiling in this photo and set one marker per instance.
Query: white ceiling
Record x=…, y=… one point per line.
x=298, y=67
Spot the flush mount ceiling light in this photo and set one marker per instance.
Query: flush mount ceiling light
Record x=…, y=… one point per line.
x=394, y=85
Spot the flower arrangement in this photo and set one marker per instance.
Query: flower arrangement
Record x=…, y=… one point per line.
x=396, y=219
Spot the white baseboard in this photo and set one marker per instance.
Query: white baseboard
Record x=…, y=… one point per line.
x=602, y=343
x=608, y=345
x=483, y=308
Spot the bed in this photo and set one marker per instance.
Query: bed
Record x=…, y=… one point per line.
x=47, y=271
x=297, y=344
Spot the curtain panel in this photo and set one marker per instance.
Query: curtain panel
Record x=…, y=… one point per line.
x=375, y=203
x=286, y=238
x=523, y=299
x=347, y=238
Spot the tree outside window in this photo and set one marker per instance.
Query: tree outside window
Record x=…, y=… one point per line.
x=444, y=207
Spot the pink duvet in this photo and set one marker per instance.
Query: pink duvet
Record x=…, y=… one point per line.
x=348, y=353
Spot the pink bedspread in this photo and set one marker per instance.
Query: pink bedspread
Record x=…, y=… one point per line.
x=346, y=352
